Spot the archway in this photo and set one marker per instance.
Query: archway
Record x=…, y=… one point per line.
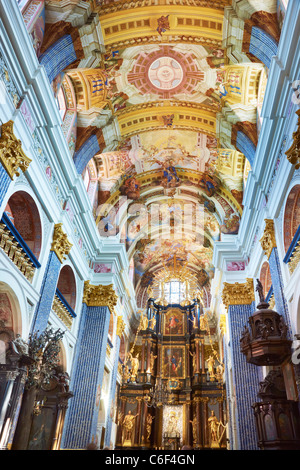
x=291, y=216
x=67, y=285
x=265, y=277
x=24, y=215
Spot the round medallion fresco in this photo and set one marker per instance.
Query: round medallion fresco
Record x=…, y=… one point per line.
x=165, y=73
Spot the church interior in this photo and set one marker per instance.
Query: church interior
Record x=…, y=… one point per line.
x=149, y=236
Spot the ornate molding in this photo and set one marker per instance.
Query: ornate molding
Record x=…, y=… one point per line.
x=126, y=5
x=268, y=240
x=120, y=326
x=100, y=296
x=222, y=324
x=60, y=244
x=12, y=156
x=238, y=293
x=294, y=151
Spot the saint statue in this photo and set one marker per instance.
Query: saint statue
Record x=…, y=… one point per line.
x=134, y=366
x=152, y=359
x=148, y=426
x=214, y=427
x=260, y=290
x=144, y=322
x=194, y=360
x=194, y=426
x=128, y=425
x=153, y=322
x=210, y=364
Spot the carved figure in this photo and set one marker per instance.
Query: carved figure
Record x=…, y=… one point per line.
x=128, y=425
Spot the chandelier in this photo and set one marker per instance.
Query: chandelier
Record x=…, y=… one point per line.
x=159, y=395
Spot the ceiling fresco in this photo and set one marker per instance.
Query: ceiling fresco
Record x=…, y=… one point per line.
x=169, y=180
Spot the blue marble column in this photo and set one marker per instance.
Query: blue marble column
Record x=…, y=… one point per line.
x=268, y=243
x=112, y=391
x=80, y=426
x=5, y=180
x=60, y=248
x=245, y=378
x=239, y=300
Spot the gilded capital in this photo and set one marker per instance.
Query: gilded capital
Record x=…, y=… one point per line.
x=100, y=296
x=238, y=293
x=120, y=326
x=12, y=156
x=60, y=244
x=268, y=241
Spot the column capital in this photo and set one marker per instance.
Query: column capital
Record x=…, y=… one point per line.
x=100, y=296
x=268, y=240
x=12, y=156
x=238, y=293
x=120, y=326
x=60, y=244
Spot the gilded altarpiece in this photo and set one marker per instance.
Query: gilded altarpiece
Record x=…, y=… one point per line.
x=175, y=398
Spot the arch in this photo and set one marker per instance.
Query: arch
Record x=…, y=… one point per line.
x=67, y=285
x=86, y=152
x=265, y=277
x=24, y=215
x=291, y=215
x=262, y=45
x=58, y=56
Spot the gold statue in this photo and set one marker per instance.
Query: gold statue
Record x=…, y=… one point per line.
x=128, y=426
x=135, y=362
x=149, y=425
x=194, y=360
x=153, y=322
x=194, y=426
x=144, y=322
x=214, y=427
x=152, y=359
x=126, y=374
x=210, y=364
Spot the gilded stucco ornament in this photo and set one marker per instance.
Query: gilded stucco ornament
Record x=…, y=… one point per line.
x=120, y=326
x=268, y=241
x=100, y=296
x=12, y=156
x=238, y=293
x=294, y=151
x=60, y=244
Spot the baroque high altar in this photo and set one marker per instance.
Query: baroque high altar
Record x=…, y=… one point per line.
x=172, y=394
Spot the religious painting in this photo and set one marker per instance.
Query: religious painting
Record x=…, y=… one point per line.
x=174, y=322
x=173, y=362
x=173, y=421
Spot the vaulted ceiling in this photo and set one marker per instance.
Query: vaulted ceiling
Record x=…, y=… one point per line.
x=151, y=80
